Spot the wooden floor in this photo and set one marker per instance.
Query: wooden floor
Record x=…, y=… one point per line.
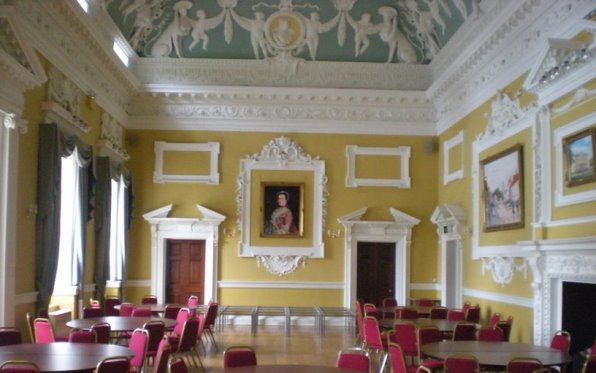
x=272, y=346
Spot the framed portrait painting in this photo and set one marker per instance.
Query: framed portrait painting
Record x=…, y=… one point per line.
x=283, y=210
x=503, y=190
x=579, y=157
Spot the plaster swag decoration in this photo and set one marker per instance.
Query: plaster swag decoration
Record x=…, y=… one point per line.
x=282, y=154
x=111, y=138
x=502, y=269
x=281, y=264
x=64, y=101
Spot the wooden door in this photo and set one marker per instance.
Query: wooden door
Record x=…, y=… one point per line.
x=185, y=270
x=376, y=271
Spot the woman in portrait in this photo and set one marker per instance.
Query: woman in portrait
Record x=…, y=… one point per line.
x=281, y=220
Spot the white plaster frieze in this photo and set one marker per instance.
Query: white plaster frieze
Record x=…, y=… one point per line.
x=502, y=269
x=281, y=265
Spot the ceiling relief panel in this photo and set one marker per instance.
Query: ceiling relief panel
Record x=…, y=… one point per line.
x=404, y=31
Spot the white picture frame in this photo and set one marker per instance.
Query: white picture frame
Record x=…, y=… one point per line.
x=402, y=152
x=212, y=177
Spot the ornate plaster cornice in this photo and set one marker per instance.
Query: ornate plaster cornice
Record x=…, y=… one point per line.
x=56, y=29
x=509, y=51
x=285, y=110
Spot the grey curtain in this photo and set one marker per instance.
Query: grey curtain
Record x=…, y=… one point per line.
x=105, y=173
x=53, y=145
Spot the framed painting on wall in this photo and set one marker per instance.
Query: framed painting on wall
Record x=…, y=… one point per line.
x=503, y=190
x=282, y=210
x=579, y=157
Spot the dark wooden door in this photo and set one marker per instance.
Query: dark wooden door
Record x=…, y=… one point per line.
x=185, y=270
x=376, y=271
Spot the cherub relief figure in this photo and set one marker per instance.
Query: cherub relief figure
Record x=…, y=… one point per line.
x=257, y=31
x=362, y=29
x=202, y=25
x=314, y=27
x=390, y=34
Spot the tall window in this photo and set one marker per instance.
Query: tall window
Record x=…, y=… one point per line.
x=70, y=255
x=117, y=229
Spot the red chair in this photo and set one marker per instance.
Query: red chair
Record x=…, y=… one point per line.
x=156, y=330
x=44, y=333
x=373, y=340
x=108, y=305
x=103, y=332
x=473, y=314
x=461, y=364
x=210, y=318
x=398, y=360
x=590, y=364
x=389, y=303
x=506, y=328
x=149, y=299
x=193, y=301
x=494, y=319
x=464, y=331
x=82, y=336
x=370, y=310
x=561, y=341
x=92, y=312
x=239, y=356
x=186, y=344
x=353, y=358
x=117, y=364
x=10, y=336
x=359, y=315
x=406, y=313
x=456, y=315
x=183, y=315
x=523, y=365
x=126, y=309
x=171, y=311
x=29, y=319
x=490, y=334
x=160, y=362
x=138, y=344
x=426, y=335
x=18, y=366
x=177, y=365
x=438, y=313
x=94, y=303
x=406, y=337
x=424, y=302
x=141, y=312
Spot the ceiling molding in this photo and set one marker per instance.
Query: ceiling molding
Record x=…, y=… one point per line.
x=285, y=110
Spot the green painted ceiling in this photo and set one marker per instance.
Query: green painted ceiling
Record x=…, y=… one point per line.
x=323, y=30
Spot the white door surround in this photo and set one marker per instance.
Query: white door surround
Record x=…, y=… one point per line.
x=163, y=228
x=398, y=231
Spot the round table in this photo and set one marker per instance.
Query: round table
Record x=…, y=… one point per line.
x=63, y=356
x=423, y=311
x=496, y=354
x=290, y=368
x=443, y=325
x=161, y=307
x=118, y=323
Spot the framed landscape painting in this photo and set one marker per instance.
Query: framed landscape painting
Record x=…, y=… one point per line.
x=579, y=157
x=503, y=190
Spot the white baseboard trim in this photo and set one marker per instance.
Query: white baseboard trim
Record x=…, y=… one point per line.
x=495, y=297
x=425, y=286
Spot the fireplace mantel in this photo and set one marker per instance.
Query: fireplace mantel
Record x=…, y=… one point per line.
x=552, y=262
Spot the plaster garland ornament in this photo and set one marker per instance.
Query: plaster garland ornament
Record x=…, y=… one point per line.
x=281, y=264
x=502, y=269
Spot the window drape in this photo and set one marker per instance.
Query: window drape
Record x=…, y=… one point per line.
x=106, y=171
x=53, y=145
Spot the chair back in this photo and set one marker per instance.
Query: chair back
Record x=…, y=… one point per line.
x=397, y=358
x=141, y=312
x=10, y=335
x=490, y=334
x=506, y=328
x=126, y=309
x=211, y=315
x=590, y=364
x=406, y=313
x=108, y=306
x=424, y=302
x=239, y=356
x=389, y=302
x=372, y=334
x=116, y=364
x=102, y=332
x=149, y=299
x=353, y=358
x=92, y=312
x=405, y=336
x=473, y=314
x=494, y=319
x=188, y=338
x=82, y=336
x=18, y=366
x=193, y=301
x=464, y=331
x=94, y=303
x=177, y=365
x=171, y=311
x=461, y=364
x=30, y=326
x=370, y=310
x=138, y=344
x=456, y=315
x=43, y=330
x=523, y=365
x=156, y=330
x=181, y=317
x=164, y=351
x=438, y=313
x=426, y=335
x=561, y=341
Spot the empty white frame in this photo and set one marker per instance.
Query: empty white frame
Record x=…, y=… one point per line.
x=212, y=177
x=449, y=175
x=403, y=152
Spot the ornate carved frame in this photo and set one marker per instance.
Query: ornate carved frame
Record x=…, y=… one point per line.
x=281, y=154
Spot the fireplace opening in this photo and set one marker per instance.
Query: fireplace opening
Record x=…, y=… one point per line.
x=579, y=314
